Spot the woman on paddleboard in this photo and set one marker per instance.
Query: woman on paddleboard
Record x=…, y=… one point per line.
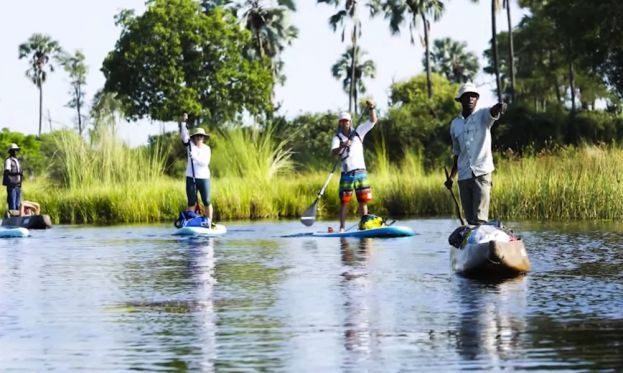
x=197, y=168
x=348, y=144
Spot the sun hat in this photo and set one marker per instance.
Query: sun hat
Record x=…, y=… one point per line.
x=13, y=147
x=198, y=131
x=345, y=116
x=465, y=88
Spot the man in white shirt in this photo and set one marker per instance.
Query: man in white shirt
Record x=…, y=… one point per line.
x=473, y=159
x=348, y=144
x=12, y=178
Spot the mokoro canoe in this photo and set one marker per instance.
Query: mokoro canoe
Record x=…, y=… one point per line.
x=30, y=221
x=492, y=259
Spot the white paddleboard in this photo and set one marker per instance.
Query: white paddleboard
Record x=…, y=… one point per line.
x=217, y=230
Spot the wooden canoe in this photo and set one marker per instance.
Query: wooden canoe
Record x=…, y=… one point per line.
x=493, y=259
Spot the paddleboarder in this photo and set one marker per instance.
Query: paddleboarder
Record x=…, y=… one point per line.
x=473, y=160
x=348, y=144
x=12, y=179
x=197, y=168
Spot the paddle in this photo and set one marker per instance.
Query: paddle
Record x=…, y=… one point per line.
x=309, y=215
x=192, y=167
x=456, y=203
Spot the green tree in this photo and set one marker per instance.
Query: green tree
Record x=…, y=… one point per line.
x=77, y=69
x=342, y=70
x=40, y=49
x=450, y=59
x=177, y=58
x=407, y=12
x=418, y=123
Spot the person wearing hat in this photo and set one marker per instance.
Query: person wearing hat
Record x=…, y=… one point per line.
x=197, y=168
x=473, y=159
x=12, y=178
x=348, y=144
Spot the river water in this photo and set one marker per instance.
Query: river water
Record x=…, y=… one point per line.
x=137, y=298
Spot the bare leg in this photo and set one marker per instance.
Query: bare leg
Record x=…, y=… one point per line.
x=209, y=211
x=363, y=209
x=343, y=210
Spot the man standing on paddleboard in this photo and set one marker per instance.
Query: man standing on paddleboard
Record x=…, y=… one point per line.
x=473, y=159
x=348, y=144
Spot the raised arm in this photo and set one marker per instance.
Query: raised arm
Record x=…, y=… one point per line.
x=184, y=129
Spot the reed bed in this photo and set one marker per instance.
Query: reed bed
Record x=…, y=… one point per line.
x=105, y=183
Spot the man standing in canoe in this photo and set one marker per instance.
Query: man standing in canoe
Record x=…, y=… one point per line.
x=471, y=146
x=197, y=168
x=348, y=144
x=12, y=178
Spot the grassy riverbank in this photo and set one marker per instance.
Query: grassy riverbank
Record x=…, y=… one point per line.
x=582, y=183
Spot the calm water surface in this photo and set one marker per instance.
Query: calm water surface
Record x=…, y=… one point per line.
x=136, y=298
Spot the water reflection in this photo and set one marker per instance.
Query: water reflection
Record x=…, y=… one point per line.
x=491, y=320
x=171, y=319
x=357, y=303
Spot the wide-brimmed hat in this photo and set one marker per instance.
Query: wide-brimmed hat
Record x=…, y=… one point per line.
x=466, y=88
x=198, y=131
x=13, y=147
x=345, y=116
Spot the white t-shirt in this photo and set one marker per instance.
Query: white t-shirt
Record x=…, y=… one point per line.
x=352, y=158
x=471, y=142
x=200, y=157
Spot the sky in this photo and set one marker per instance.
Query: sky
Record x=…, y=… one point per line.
x=310, y=87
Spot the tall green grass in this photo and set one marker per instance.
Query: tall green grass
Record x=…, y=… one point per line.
x=105, y=182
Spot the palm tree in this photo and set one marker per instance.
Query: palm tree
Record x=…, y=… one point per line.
x=343, y=70
x=408, y=11
x=347, y=11
x=511, y=49
x=77, y=70
x=40, y=48
x=449, y=58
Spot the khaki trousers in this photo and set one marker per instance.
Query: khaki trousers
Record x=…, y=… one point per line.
x=475, y=197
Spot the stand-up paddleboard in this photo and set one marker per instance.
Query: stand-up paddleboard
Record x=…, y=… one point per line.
x=6, y=232
x=216, y=230
x=381, y=232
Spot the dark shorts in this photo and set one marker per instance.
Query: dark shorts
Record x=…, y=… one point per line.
x=203, y=187
x=358, y=181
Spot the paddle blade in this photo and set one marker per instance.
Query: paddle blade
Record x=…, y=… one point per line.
x=309, y=215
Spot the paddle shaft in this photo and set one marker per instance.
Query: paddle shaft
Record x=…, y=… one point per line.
x=192, y=168
x=456, y=202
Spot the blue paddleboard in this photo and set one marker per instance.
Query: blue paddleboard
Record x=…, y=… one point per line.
x=389, y=231
x=14, y=232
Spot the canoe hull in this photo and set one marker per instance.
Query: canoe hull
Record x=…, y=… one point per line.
x=382, y=232
x=29, y=222
x=493, y=259
x=218, y=230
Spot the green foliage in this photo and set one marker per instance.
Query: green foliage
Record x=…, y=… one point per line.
x=250, y=153
x=309, y=136
x=78, y=164
x=176, y=58
x=418, y=123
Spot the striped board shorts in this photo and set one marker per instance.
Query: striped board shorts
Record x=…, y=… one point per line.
x=355, y=180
